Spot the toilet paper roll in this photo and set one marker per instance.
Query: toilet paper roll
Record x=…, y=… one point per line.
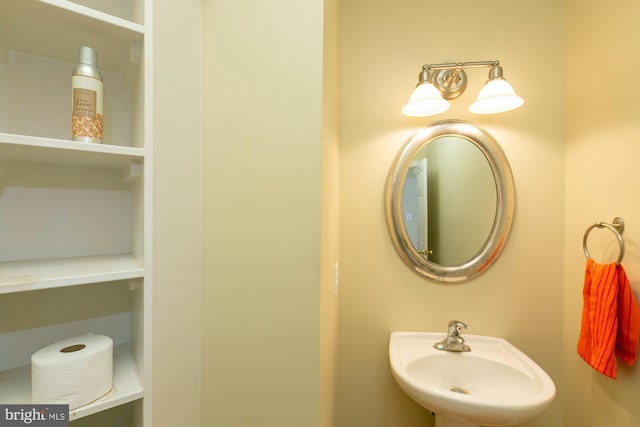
x=75, y=371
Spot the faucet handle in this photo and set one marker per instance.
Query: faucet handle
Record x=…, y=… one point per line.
x=455, y=327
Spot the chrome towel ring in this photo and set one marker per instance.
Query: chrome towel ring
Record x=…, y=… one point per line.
x=617, y=228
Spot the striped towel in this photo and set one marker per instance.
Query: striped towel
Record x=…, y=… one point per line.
x=610, y=318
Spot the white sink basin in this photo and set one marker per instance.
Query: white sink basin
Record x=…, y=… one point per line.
x=494, y=384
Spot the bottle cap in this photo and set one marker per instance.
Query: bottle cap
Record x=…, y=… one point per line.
x=87, y=55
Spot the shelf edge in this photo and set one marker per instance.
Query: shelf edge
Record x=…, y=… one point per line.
x=124, y=369
x=52, y=275
x=64, y=144
x=95, y=14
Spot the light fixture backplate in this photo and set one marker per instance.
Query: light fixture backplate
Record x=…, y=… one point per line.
x=450, y=82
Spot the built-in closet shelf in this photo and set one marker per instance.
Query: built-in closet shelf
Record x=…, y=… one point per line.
x=20, y=276
x=78, y=215
x=55, y=28
x=64, y=152
x=15, y=385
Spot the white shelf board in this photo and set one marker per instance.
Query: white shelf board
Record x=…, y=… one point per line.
x=59, y=151
x=21, y=276
x=15, y=385
x=55, y=28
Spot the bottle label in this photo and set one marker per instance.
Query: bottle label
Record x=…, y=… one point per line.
x=86, y=121
x=84, y=102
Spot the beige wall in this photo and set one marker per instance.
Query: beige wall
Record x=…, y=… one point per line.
x=261, y=164
x=269, y=313
x=602, y=183
x=177, y=214
x=383, y=45
x=330, y=221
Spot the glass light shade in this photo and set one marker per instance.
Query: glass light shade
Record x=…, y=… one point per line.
x=425, y=100
x=496, y=96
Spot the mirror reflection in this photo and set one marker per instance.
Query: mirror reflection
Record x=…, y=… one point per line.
x=449, y=200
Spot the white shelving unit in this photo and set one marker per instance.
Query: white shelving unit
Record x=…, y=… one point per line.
x=76, y=218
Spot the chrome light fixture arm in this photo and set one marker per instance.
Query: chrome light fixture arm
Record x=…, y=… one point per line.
x=450, y=78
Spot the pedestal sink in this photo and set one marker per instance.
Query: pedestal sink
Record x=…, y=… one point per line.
x=495, y=384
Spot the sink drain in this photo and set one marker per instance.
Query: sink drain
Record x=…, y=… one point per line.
x=459, y=390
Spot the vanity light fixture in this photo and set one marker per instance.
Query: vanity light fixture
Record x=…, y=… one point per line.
x=438, y=83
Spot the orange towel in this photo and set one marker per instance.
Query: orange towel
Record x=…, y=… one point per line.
x=628, y=320
x=610, y=318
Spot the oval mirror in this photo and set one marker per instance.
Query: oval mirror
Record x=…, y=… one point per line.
x=450, y=201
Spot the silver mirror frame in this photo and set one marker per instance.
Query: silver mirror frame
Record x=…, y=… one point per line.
x=505, y=204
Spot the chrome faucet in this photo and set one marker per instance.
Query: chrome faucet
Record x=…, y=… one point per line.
x=453, y=341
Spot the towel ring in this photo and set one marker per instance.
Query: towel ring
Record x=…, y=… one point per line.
x=617, y=228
